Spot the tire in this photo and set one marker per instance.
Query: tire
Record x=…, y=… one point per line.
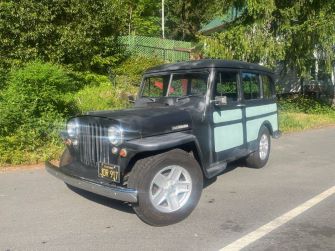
x=260, y=157
x=169, y=187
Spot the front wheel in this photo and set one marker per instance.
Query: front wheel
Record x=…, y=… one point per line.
x=260, y=157
x=169, y=187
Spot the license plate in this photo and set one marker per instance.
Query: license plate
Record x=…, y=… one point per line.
x=109, y=172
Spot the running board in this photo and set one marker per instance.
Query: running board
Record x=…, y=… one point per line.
x=216, y=169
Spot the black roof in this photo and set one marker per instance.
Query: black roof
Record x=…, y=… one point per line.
x=207, y=63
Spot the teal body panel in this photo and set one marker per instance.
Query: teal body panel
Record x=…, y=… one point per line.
x=227, y=115
x=228, y=136
x=259, y=110
x=231, y=135
x=254, y=125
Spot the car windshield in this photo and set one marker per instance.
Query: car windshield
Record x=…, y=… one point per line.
x=182, y=84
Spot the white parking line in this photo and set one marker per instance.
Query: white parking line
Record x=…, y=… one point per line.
x=267, y=228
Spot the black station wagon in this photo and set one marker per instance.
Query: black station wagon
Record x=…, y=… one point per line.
x=188, y=121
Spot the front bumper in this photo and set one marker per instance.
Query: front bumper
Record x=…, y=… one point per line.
x=94, y=186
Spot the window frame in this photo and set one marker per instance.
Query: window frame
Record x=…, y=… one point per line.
x=238, y=82
x=258, y=80
x=272, y=86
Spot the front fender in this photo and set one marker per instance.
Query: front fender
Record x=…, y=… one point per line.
x=160, y=142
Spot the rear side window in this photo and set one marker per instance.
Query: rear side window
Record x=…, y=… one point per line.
x=226, y=85
x=267, y=90
x=250, y=85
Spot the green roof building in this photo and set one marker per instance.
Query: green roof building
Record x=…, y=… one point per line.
x=219, y=23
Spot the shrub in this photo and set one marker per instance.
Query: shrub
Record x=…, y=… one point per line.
x=102, y=93
x=131, y=70
x=36, y=101
x=104, y=96
x=37, y=90
x=304, y=104
x=39, y=97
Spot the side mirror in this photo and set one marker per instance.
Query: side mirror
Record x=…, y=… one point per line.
x=220, y=100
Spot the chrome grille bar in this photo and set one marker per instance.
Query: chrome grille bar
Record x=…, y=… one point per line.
x=93, y=149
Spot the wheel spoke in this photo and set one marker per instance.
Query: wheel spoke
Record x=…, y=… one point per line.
x=160, y=180
x=159, y=197
x=173, y=202
x=182, y=187
x=175, y=173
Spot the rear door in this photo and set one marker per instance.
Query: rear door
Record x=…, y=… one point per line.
x=260, y=106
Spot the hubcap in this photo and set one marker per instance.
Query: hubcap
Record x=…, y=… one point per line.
x=170, y=189
x=263, y=147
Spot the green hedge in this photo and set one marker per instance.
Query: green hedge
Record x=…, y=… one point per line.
x=33, y=106
x=39, y=97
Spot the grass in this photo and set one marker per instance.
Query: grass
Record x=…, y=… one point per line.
x=299, y=121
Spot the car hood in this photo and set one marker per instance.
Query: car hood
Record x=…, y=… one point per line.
x=149, y=121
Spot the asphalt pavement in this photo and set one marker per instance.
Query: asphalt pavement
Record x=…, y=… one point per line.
x=39, y=212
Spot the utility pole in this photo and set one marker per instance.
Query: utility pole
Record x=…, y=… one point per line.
x=163, y=20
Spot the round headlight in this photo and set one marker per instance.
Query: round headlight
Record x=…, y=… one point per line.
x=72, y=128
x=115, y=135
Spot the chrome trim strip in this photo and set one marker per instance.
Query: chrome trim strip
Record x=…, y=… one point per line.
x=117, y=193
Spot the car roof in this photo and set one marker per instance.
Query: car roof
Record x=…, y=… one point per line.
x=207, y=63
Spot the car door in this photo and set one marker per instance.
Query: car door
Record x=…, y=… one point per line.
x=260, y=106
x=228, y=123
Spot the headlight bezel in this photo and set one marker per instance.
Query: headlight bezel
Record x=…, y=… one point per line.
x=115, y=135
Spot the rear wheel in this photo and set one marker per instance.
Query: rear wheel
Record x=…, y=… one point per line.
x=260, y=157
x=169, y=187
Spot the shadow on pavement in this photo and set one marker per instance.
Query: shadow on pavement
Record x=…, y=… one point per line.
x=230, y=167
x=114, y=204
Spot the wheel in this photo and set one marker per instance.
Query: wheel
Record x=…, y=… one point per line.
x=259, y=158
x=169, y=187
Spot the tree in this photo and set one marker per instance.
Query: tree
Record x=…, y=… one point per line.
x=79, y=33
x=143, y=17
x=274, y=30
x=185, y=17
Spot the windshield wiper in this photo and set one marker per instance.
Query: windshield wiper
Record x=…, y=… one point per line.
x=151, y=99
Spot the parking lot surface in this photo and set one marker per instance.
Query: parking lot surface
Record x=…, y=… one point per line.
x=39, y=212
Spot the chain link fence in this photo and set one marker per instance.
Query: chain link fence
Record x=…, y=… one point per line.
x=166, y=49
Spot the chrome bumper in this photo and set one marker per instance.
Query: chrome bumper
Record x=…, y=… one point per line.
x=113, y=192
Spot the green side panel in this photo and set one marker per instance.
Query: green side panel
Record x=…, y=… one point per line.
x=227, y=115
x=228, y=136
x=254, y=125
x=259, y=110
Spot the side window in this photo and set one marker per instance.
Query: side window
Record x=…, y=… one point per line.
x=250, y=85
x=188, y=84
x=267, y=90
x=226, y=85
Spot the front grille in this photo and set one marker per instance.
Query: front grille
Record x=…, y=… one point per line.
x=93, y=144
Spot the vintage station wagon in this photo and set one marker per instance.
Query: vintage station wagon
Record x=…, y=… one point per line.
x=188, y=121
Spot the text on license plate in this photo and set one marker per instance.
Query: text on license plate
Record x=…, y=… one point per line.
x=110, y=172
